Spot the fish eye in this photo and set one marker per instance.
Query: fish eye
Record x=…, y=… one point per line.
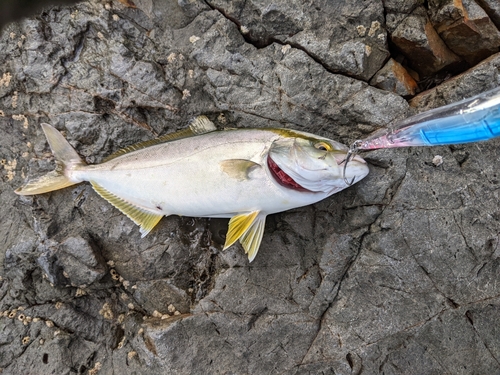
x=323, y=146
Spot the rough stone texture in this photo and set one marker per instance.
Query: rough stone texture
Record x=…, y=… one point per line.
x=465, y=28
x=397, y=274
x=395, y=78
x=492, y=8
x=420, y=43
x=354, y=43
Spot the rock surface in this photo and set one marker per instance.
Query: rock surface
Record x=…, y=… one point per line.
x=397, y=274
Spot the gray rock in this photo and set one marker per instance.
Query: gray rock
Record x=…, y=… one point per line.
x=397, y=274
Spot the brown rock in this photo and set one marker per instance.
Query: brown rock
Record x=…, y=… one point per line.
x=465, y=28
x=419, y=42
x=461, y=86
x=394, y=77
x=492, y=8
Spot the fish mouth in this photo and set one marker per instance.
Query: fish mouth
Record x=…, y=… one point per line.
x=282, y=178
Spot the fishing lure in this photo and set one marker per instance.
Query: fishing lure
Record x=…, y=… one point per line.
x=470, y=120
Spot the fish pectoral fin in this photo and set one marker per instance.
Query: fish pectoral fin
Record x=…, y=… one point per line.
x=238, y=169
x=147, y=220
x=248, y=228
x=253, y=237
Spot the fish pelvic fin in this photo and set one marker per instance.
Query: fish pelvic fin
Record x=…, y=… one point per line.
x=249, y=229
x=147, y=220
x=66, y=159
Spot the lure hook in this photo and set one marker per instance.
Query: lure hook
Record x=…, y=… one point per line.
x=353, y=150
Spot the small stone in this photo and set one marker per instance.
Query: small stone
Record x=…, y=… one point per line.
x=36, y=319
x=193, y=39
x=126, y=283
x=49, y=323
x=41, y=341
x=177, y=312
x=58, y=305
x=437, y=160
x=157, y=314
x=285, y=48
x=165, y=316
x=171, y=308
x=140, y=331
x=130, y=306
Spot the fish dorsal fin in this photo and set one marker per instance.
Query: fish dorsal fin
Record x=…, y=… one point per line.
x=200, y=125
x=238, y=169
x=248, y=228
x=147, y=220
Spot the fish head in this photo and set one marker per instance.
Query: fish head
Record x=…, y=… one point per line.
x=306, y=162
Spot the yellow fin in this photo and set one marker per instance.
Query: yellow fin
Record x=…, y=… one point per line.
x=238, y=225
x=253, y=237
x=238, y=168
x=200, y=125
x=147, y=220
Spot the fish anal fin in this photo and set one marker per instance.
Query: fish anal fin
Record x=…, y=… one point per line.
x=147, y=220
x=200, y=125
x=238, y=169
x=238, y=225
x=253, y=237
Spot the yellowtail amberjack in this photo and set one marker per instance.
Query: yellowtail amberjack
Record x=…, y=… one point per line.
x=241, y=174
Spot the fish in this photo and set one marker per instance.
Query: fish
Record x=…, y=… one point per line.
x=243, y=174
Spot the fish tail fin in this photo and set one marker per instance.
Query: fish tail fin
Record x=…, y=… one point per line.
x=66, y=158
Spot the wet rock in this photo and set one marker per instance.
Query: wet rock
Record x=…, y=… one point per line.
x=417, y=39
x=395, y=78
x=466, y=29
